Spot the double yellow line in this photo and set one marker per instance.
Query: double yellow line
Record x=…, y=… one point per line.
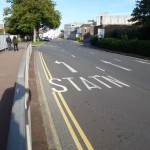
x=59, y=97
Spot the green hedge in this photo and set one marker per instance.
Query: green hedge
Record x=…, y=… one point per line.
x=94, y=41
x=139, y=47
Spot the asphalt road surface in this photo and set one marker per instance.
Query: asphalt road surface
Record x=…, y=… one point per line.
x=98, y=100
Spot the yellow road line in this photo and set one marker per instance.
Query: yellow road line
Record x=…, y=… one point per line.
x=83, y=136
x=46, y=67
x=43, y=66
x=68, y=123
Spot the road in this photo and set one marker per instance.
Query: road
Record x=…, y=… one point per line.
x=98, y=100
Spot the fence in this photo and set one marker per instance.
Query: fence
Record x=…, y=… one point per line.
x=3, y=44
x=20, y=129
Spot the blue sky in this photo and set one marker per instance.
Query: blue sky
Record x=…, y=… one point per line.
x=82, y=10
x=77, y=10
x=3, y=4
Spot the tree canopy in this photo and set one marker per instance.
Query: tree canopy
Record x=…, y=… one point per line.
x=27, y=15
x=141, y=13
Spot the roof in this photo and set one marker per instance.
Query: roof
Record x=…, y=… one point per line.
x=86, y=25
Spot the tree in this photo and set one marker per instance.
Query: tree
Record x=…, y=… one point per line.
x=141, y=19
x=141, y=14
x=26, y=15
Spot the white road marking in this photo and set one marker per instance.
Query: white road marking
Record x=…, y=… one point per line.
x=89, y=84
x=70, y=68
x=70, y=79
x=97, y=76
x=100, y=69
x=106, y=62
x=92, y=53
x=73, y=56
x=64, y=89
x=117, y=59
x=58, y=87
x=56, y=50
x=114, y=81
x=143, y=62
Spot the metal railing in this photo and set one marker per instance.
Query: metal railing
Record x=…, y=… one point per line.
x=19, y=137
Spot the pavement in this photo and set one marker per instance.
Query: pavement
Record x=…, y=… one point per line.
x=9, y=66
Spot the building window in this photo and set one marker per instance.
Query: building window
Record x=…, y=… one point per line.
x=85, y=30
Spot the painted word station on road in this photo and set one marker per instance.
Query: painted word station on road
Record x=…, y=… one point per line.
x=102, y=81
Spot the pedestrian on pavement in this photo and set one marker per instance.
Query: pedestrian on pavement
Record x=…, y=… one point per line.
x=15, y=43
x=8, y=40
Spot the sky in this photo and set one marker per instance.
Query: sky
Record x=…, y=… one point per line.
x=83, y=10
x=3, y=5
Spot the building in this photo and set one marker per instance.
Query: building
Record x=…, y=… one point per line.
x=1, y=26
x=106, y=19
x=70, y=30
x=75, y=29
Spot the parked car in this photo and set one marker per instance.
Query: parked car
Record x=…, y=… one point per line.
x=44, y=38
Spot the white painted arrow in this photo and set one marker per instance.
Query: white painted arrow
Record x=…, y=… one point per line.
x=70, y=68
x=107, y=62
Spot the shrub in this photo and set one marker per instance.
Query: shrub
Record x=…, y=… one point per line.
x=79, y=38
x=94, y=41
x=139, y=47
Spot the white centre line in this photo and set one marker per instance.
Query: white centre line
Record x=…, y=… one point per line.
x=92, y=53
x=73, y=56
x=143, y=62
x=117, y=59
x=57, y=50
x=100, y=69
x=106, y=62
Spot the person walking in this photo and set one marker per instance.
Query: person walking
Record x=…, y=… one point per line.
x=8, y=40
x=15, y=43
